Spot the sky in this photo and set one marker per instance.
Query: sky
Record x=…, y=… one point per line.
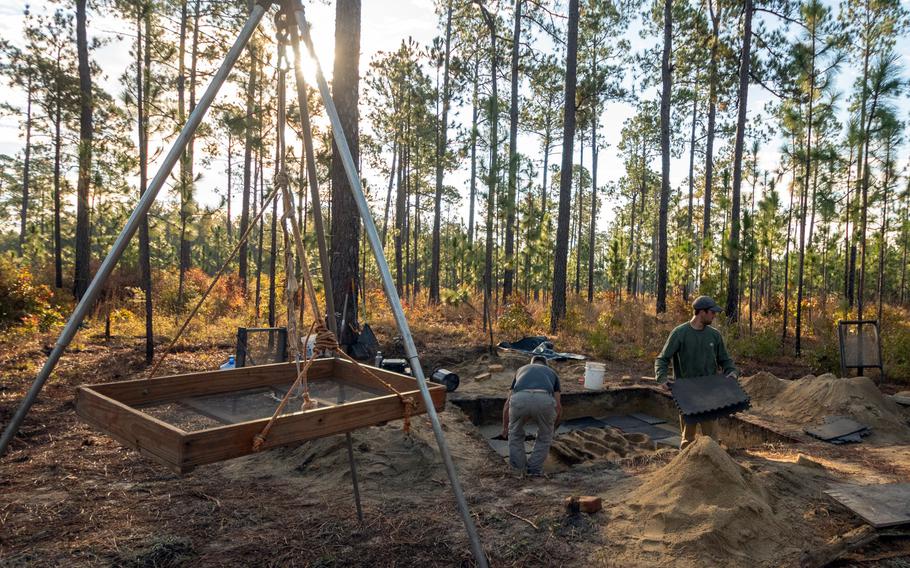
x=384, y=25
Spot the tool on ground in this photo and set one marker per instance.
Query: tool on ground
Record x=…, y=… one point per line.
x=447, y=378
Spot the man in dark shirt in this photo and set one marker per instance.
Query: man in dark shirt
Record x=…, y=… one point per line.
x=533, y=396
x=695, y=349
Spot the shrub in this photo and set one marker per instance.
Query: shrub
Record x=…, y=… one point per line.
x=516, y=319
x=23, y=301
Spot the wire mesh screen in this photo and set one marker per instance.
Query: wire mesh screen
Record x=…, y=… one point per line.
x=261, y=346
x=859, y=344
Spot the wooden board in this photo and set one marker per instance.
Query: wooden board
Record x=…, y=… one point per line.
x=881, y=506
x=116, y=408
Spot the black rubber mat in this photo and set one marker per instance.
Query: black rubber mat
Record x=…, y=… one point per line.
x=835, y=428
x=648, y=418
x=632, y=425
x=707, y=398
x=583, y=422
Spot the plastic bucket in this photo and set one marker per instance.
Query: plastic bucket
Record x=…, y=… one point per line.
x=594, y=375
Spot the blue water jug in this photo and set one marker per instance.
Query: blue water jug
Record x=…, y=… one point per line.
x=229, y=365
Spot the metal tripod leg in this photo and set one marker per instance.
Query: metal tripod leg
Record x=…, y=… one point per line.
x=349, y=441
x=389, y=286
x=354, y=476
x=142, y=208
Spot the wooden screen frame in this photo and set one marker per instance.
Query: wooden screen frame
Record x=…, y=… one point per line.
x=114, y=408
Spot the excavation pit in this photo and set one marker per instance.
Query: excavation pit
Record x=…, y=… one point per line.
x=614, y=423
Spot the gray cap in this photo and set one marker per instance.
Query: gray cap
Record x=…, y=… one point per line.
x=706, y=303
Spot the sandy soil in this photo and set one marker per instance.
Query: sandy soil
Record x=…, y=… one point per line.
x=72, y=496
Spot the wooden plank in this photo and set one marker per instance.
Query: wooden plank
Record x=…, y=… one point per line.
x=226, y=442
x=132, y=428
x=881, y=506
x=175, y=387
x=108, y=408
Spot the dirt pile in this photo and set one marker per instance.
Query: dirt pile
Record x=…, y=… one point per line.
x=597, y=444
x=383, y=453
x=808, y=400
x=702, y=505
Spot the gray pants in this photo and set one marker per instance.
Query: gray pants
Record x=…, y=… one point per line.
x=536, y=407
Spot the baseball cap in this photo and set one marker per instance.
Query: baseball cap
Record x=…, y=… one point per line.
x=706, y=303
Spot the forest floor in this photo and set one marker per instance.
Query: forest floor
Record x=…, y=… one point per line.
x=70, y=495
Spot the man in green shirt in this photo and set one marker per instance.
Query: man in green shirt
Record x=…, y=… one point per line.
x=696, y=350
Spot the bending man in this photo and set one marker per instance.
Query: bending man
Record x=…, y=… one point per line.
x=533, y=396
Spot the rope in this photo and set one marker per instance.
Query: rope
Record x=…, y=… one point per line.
x=326, y=341
x=217, y=277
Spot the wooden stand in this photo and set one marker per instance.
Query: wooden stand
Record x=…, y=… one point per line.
x=117, y=409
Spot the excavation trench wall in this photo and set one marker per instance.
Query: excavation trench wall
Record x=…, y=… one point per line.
x=738, y=431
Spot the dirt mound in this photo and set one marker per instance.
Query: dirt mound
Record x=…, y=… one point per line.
x=763, y=385
x=702, y=504
x=808, y=400
x=382, y=453
x=597, y=444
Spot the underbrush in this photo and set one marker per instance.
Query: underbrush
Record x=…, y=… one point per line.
x=612, y=327
x=26, y=305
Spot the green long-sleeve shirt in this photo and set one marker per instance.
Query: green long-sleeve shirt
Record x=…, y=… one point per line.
x=695, y=353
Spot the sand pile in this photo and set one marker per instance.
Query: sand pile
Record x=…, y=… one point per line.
x=808, y=400
x=383, y=454
x=704, y=505
x=597, y=444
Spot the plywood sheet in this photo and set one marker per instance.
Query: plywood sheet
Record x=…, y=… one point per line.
x=881, y=506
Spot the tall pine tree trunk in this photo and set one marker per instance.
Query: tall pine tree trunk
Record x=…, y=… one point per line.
x=688, y=283
x=242, y=252
x=442, y=142
x=58, y=147
x=82, y=274
x=744, y=66
x=26, y=163
x=388, y=198
x=491, y=186
x=474, y=113
x=804, y=199
x=184, y=181
x=709, y=141
x=143, y=90
x=345, y=242
x=666, y=84
x=593, y=227
x=509, y=274
x=558, y=305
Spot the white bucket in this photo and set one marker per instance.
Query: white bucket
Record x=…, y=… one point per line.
x=594, y=375
x=308, y=343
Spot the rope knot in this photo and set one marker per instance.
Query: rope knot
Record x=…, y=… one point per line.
x=281, y=179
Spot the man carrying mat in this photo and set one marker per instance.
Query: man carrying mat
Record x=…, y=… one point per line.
x=696, y=350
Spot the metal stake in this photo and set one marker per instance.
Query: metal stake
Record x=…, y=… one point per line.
x=388, y=284
x=142, y=208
